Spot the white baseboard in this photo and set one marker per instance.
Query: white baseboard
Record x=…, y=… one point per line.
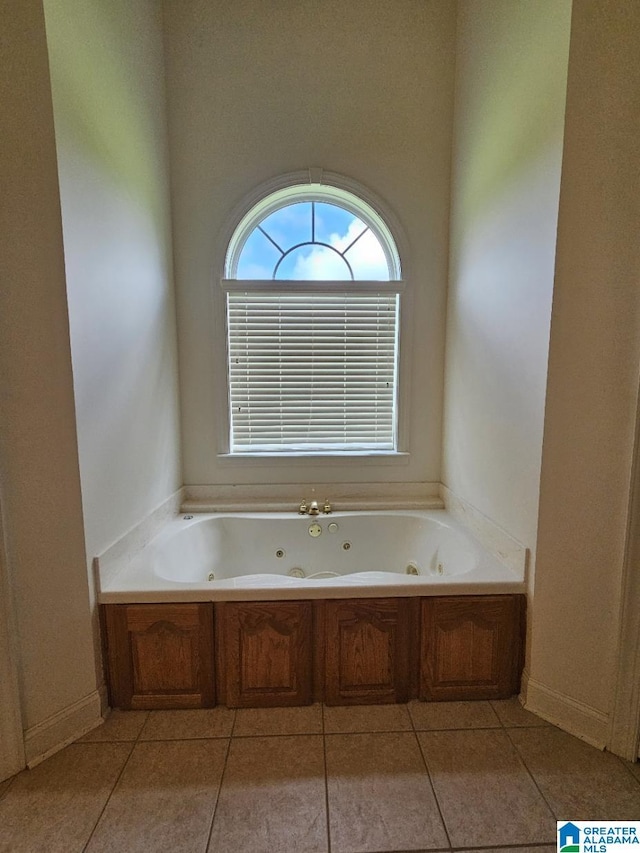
x=574, y=717
x=103, y=693
x=62, y=728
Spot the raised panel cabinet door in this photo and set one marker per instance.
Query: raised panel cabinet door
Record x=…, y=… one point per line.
x=367, y=651
x=160, y=655
x=268, y=653
x=471, y=647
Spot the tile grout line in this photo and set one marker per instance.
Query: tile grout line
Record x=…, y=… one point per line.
x=404, y=850
x=538, y=844
x=529, y=773
x=506, y=730
x=336, y=732
x=232, y=732
x=431, y=785
x=326, y=781
x=11, y=780
x=625, y=764
x=142, y=727
x=172, y=739
x=224, y=770
x=135, y=743
x=531, y=776
x=111, y=792
x=495, y=714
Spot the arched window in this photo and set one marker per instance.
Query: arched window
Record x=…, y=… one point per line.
x=312, y=307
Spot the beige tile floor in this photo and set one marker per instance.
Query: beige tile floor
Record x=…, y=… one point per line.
x=416, y=777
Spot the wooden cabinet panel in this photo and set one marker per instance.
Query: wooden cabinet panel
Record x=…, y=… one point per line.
x=471, y=647
x=345, y=652
x=268, y=653
x=366, y=651
x=160, y=655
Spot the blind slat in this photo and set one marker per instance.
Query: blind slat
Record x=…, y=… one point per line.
x=312, y=370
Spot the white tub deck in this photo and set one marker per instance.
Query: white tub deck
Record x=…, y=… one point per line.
x=243, y=552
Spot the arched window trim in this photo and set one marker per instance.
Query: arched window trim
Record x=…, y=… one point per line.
x=318, y=192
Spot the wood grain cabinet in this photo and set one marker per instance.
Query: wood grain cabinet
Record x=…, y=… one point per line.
x=160, y=655
x=471, y=647
x=345, y=652
x=366, y=651
x=267, y=653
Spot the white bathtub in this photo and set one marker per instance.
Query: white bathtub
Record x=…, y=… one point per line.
x=261, y=556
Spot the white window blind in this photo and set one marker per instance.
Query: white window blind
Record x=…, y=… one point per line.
x=312, y=365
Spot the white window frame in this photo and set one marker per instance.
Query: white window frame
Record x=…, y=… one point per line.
x=315, y=185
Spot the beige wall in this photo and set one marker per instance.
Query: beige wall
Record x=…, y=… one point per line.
x=113, y=451
x=256, y=90
x=107, y=75
x=39, y=475
x=260, y=89
x=593, y=370
x=511, y=66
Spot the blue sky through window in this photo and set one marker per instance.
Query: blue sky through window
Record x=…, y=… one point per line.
x=290, y=224
x=345, y=235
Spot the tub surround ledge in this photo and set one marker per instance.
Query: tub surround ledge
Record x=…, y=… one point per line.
x=287, y=497
x=496, y=540
x=124, y=550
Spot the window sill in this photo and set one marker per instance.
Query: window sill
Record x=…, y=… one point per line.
x=365, y=457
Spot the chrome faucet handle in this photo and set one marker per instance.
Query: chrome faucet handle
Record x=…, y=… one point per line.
x=304, y=509
x=326, y=509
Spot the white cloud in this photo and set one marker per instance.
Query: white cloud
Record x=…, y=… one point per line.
x=365, y=257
